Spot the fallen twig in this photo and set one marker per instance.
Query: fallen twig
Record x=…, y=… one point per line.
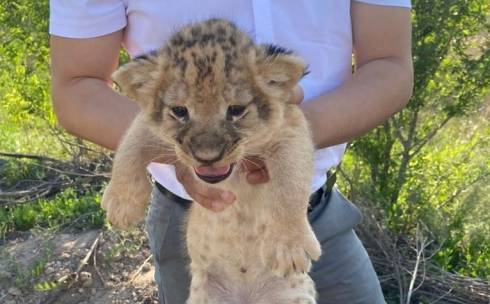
x=422, y=244
x=29, y=156
x=84, y=261
x=138, y=271
x=95, y=265
x=57, y=175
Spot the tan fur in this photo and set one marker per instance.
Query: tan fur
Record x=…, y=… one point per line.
x=259, y=249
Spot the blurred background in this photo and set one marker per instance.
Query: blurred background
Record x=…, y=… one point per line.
x=422, y=178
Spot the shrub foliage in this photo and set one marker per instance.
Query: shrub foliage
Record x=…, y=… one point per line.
x=429, y=163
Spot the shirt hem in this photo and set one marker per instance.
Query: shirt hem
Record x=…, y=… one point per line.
x=383, y=3
x=99, y=28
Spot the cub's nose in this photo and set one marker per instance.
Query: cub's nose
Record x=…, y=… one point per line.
x=206, y=148
x=207, y=156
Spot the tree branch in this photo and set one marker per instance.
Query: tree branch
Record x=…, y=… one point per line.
x=417, y=146
x=28, y=156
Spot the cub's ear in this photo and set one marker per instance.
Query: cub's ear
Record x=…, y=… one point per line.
x=139, y=78
x=278, y=68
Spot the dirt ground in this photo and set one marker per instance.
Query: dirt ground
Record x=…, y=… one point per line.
x=93, y=267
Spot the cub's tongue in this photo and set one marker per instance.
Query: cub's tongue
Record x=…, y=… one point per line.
x=212, y=171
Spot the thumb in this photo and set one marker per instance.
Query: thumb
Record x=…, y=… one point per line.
x=298, y=94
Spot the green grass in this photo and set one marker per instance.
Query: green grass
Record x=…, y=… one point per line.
x=31, y=135
x=24, y=275
x=68, y=209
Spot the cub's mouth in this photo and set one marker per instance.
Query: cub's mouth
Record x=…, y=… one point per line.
x=213, y=174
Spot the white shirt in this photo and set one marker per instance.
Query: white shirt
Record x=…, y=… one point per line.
x=319, y=31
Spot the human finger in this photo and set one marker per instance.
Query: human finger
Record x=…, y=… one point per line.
x=298, y=94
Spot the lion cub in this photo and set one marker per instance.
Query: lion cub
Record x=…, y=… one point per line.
x=214, y=99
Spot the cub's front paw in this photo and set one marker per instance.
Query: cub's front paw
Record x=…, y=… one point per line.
x=286, y=255
x=123, y=209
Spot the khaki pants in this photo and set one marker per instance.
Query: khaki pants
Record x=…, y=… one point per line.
x=343, y=275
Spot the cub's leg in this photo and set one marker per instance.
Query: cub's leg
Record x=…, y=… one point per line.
x=198, y=292
x=296, y=288
x=305, y=287
x=289, y=243
x=302, y=300
x=128, y=191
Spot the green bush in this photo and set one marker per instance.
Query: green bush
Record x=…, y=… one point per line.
x=67, y=209
x=429, y=163
x=25, y=113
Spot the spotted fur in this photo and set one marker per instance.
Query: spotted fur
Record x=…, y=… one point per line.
x=259, y=249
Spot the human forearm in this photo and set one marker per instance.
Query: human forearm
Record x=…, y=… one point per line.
x=83, y=99
x=377, y=90
x=91, y=109
x=382, y=83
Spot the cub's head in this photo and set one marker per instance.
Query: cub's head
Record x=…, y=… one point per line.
x=212, y=94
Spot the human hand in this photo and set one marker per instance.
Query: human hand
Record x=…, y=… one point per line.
x=255, y=170
x=298, y=94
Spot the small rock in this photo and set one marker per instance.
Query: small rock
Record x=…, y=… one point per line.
x=116, y=257
x=86, y=279
x=15, y=291
x=84, y=275
x=65, y=255
x=81, y=290
x=93, y=291
x=109, y=284
x=63, y=271
x=146, y=268
x=49, y=270
x=87, y=283
x=5, y=274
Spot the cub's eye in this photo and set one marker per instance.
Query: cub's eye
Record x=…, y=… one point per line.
x=235, y=111
x=179, y=112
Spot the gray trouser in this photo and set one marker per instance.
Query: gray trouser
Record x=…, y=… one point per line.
x=343, y=275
